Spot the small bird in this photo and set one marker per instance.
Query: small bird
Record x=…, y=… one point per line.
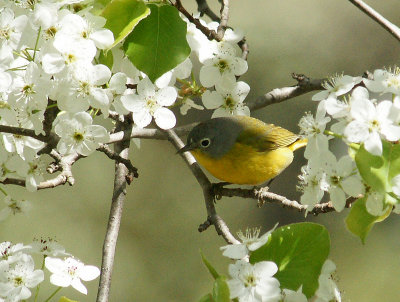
x=242, y=149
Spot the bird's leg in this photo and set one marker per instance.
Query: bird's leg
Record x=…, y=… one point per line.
x=269, y=182
x=216, y=187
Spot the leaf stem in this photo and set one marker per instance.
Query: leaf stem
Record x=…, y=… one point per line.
x=328, y=132
x=53, y=294
x=36, y=43
x=3, y=191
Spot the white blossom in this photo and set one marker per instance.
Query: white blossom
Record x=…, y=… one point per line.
x=77, y=134
x=254, y=283
x=227, y=99
x=384, y=81
x=84, y=89
x=17, y=277
x=336, y=86
x=10, y=252
x=11, y=27
x=250, y=242
x=327, y=290
x=47, y=247
x=70, y=272
x=67, y=52
x=370, y=123
x=293, y=296
x=313, y=129
x=31, y=89
x=342, y=179
x=223, y=66
x=149, y=103
x=89, y=28
x=311, y=184
x=32, y=168
x=14, y=207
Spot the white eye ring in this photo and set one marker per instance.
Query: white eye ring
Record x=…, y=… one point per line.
x=205, y=142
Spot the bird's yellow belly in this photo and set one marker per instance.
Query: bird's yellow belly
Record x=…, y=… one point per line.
x=244, y=165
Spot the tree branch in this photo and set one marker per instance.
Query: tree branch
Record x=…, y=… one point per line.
x=381, y=20
x=114, y=221
x=224, y=19
x=208, y=191
x=262, y=195
x=278, y=95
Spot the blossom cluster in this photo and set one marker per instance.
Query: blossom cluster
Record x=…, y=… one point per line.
x=256, y=282
x=363, y=113
x=221, y=65
x=50, y=61
x=18, y=274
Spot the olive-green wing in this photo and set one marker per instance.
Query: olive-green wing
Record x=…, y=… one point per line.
x=266, y=136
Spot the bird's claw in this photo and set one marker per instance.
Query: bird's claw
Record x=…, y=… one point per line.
x=216, y=187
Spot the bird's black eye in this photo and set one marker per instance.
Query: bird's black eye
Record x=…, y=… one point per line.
x=205, y=142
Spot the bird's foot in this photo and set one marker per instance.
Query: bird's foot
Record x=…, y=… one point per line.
x=259, y=190
x=216, y=189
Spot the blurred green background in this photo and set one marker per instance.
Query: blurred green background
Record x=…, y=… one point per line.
x=158, y=248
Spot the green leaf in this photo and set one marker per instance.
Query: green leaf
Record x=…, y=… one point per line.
x=210, y=268
x=359, y=221
x=122, y=16
x=158, y=43
x=221, y=290
x=207, y=298
x=377, y=171
x=106, y=58
x=102, y=2
x=65, y=299
x=299, y=250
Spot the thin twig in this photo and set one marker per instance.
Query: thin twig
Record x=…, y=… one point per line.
x=208, y=192
x=133, y=172
x=114, y=221
x=381, y=20
x=115, y=116
x=278, y=95
x=224, y=19
x=210, y=34
x=49, y=116
x=262, y=195
x=23, y=132
x=204, y=9
x=245, y=48
x=51, y=139
x=150, y=133
x=64, y=165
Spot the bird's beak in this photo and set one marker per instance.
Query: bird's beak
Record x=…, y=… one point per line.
x=188, y=147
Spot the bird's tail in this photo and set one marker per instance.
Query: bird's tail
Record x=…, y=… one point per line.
x=300, y=143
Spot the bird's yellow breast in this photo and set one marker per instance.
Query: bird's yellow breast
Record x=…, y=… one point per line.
x=245, y=165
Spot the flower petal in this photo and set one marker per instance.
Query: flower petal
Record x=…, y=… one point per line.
x=165, y=118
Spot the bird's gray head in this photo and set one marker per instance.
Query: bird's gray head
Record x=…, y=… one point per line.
x=214, y=137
